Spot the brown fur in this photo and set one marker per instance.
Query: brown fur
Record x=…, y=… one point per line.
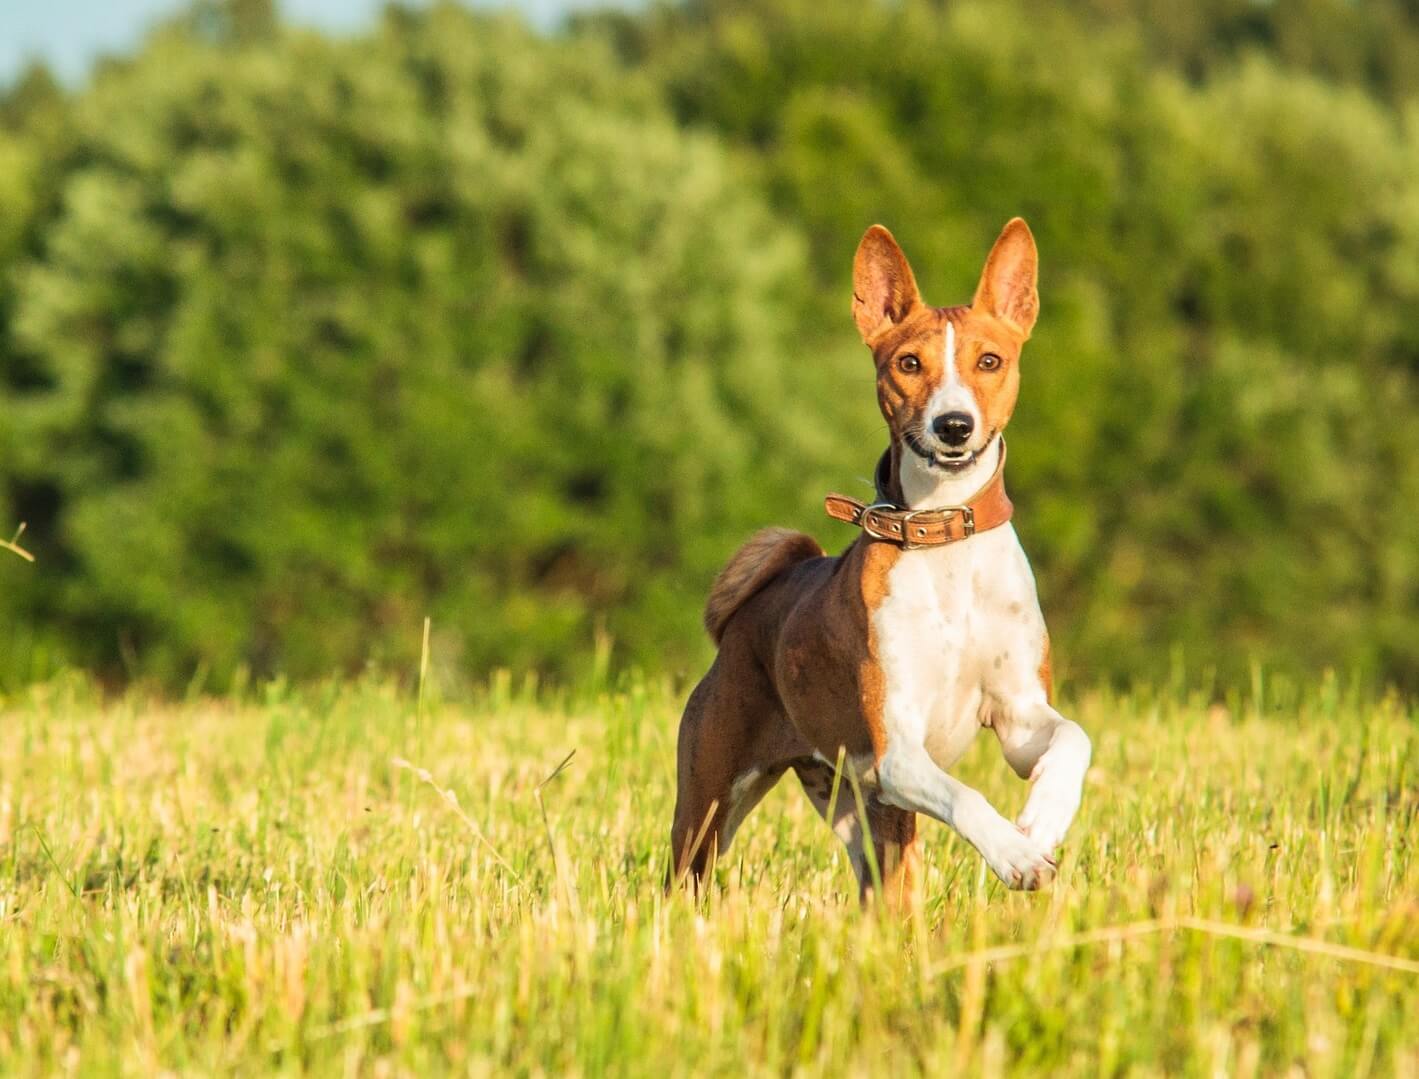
x=797, y=672
x=767, y=554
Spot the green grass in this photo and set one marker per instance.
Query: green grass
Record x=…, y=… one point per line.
x=254, y=886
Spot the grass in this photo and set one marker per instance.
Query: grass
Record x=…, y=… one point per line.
x=349, y=879
x=13, y=544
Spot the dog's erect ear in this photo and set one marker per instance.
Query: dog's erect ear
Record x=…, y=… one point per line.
x=883, y=288
x=1007, y=285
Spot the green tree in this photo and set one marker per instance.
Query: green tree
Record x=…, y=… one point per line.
x=328, y=336
x=1372, y=45
x=302, y=340
x=1220, y=400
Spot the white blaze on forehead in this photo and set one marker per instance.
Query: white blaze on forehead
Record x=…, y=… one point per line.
x=953, y=394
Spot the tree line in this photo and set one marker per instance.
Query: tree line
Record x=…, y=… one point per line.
x=305, y=338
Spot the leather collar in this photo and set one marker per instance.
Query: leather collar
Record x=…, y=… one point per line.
x=884, y=520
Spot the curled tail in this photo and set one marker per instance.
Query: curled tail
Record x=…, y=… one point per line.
x=767, y=554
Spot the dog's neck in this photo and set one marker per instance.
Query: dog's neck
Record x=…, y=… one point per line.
x=911, y=483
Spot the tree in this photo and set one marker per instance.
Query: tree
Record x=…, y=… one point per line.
x=1226, y=284
x=446, y=321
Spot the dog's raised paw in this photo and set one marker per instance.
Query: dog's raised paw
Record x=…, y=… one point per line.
x=1048, y=812
x=1042, y=828
x=1020, y=861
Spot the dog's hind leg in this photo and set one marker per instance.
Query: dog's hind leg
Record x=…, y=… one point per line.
x=733, y=747
x=894, y=845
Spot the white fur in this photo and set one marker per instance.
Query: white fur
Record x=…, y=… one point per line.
x=960, y=638
x=745, y=793
x=846, y=823
x=953, y=395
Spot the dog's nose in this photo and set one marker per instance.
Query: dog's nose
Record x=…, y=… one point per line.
x=953, y=428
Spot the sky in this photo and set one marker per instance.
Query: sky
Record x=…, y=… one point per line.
x=69, y=34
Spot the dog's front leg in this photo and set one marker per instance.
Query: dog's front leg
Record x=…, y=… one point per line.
x=910, y=779
x=1053, y=753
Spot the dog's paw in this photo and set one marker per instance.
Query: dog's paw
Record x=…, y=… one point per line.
x=1048, y=813
x=1018, y=859
x=1046, y=833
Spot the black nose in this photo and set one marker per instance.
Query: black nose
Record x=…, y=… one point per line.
x=953, y=428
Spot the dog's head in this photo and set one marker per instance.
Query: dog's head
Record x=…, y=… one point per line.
x=946, y=376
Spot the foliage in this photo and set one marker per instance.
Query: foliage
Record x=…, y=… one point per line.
x=253, y=886
x=302, y=340
x=1374, y=44
x=1221, y=398
x=323, y=337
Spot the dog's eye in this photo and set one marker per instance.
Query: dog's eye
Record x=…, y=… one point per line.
x=989, y=362
x=910, y=364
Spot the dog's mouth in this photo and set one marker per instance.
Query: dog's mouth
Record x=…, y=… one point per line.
x=947, y=460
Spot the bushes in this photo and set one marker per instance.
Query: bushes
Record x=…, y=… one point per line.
x=1220, y=401
x=325, y=337
x=304, y=339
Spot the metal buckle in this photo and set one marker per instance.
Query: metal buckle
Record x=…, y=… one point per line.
x=966, y=513
x=907, y=544
x=868, y=526
x=968, y=521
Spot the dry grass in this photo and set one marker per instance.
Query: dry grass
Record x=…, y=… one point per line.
x=13, y=544
x=351, y=880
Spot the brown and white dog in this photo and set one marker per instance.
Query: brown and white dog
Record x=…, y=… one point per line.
x=926, y=629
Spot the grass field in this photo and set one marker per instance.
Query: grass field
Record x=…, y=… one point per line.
x=259, y=886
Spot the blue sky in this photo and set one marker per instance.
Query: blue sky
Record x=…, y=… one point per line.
x=69, y=34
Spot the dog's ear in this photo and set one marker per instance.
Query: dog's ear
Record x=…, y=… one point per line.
x=883, y=288
x=1007, y=285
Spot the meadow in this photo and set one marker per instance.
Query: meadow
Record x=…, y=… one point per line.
x=362, y=879
x=308, y=336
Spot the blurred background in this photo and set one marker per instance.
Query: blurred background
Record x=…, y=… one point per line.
x=318, y=320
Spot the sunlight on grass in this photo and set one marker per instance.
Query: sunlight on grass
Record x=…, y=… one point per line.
x=344, y=879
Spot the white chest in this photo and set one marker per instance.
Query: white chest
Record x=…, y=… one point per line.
x=960, y=638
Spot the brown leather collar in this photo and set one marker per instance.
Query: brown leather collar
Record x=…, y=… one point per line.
x=882, y=520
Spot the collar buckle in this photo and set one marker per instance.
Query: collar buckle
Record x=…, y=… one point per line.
x=878, y=527
x=911, y=542
x=913, y=535
x=901, y=527
x=968, y=520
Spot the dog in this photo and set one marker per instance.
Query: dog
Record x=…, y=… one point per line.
x=883, y=663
